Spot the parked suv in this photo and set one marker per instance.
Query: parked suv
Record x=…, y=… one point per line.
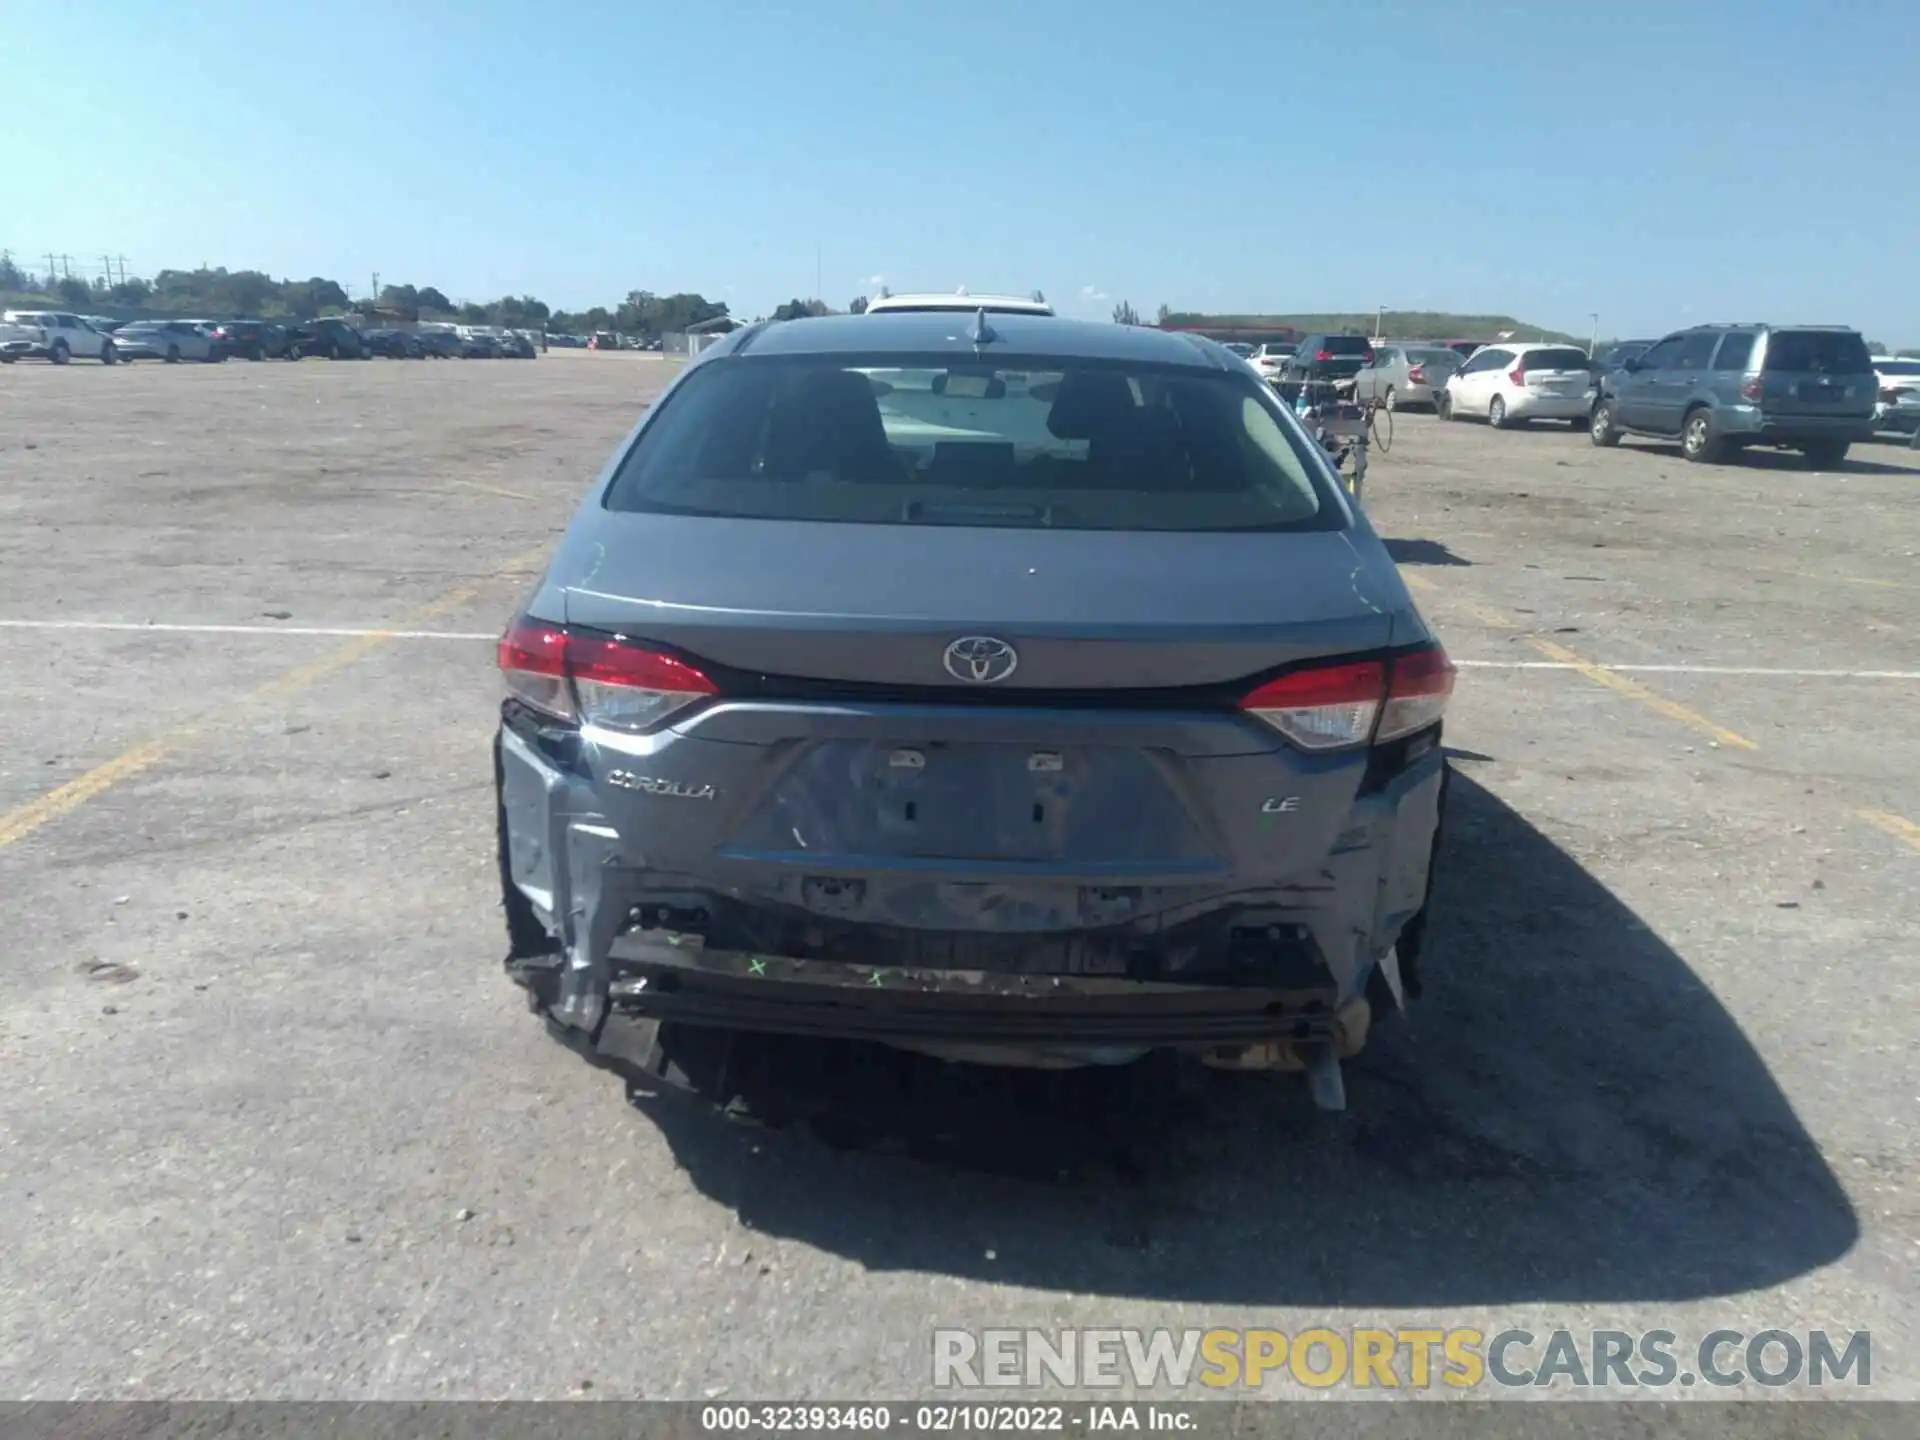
x=1323, y=358
x=334, y=339
x=66, y=336
x=255, y=339
x=1717, y=388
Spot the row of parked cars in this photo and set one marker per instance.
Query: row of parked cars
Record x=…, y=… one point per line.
x=1716, y=389
x=59, y=337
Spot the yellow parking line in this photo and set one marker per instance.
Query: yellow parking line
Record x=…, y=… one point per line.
x=1898, y=826
x=17, y=824
x=1418, y=582
x=1615, y=681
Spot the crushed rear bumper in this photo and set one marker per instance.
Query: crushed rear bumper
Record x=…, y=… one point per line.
x=609, y=944
x=676, y=978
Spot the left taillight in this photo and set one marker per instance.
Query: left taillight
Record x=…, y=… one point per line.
x=1336, y=707
x=593, y=679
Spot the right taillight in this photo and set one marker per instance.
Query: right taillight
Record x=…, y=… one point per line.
x=1417, y=375
x=1518, y=374
x=594, y=679
x=1336, y=707
x=1328, y=707
x=1419, y=685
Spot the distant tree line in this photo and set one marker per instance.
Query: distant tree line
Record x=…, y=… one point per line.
x=218, y=293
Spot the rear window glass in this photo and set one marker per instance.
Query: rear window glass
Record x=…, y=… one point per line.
x=1567, y=359
x=1346, y=345
x=1821, y=352
x=1025, y=442
x=1897, y=367
x=1449, y=358
x=1735, y=352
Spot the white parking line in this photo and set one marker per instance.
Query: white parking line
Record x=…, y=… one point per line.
x=351, y=633
x=1763, y=670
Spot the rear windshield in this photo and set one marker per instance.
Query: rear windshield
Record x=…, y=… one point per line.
x=1897, y=367
x=1346, y=345
x=1819, y=352
x=1429, y=356
x=1567, y=359
x=1026, y=442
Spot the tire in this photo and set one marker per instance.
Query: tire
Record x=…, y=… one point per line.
x=8, y=359
x=1497, y=413
x=173, y=354
x=1825, y=454
x=1600, y=427
x=59, y=354
x=333, y=350
x=1697, y=440
x=256, y=352
x=1443, y=405
x=1391, y=400
x=1380, y=427
x=109, y=355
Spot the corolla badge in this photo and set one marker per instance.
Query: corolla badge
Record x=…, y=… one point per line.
x=980, y=659
x=652, y=785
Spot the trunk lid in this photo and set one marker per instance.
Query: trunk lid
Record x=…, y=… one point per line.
x=878, y=605
x=1817, y=373
x=1557, y=372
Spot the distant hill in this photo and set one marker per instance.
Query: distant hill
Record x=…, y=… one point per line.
x=1396, y=324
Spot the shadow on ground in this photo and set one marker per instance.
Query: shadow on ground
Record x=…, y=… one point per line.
x=1568, y=1115
x=1891, y=460
x=1422, y=552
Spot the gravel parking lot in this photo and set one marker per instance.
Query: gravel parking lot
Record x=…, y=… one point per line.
x=275, y=1125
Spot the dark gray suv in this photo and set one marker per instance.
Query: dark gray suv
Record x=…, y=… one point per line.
x=1718, y=388
x=1005, y=688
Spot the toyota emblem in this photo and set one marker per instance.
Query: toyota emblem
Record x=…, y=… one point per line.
x=980, y=659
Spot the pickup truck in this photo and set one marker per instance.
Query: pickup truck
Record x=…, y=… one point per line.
x=65, y=336
x=18, y=338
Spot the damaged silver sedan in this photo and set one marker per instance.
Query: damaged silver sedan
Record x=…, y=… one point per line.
x=1003, y=688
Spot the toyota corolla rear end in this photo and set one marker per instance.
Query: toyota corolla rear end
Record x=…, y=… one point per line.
x=1030, y=699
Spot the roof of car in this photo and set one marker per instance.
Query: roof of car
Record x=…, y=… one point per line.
x=935, y=332
x=1000, y=304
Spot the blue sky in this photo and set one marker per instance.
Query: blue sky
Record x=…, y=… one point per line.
x=1659, y=163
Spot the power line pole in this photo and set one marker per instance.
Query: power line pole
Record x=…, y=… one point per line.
x=123, y=268
x=52, y=274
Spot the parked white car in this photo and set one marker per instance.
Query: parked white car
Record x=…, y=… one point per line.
x=1271, y=358
x=18, y=338
x=1510, y=384
x=66, y=336
x=1897, y=410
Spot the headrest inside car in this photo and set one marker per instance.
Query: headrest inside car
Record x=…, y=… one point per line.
x=962, y=385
